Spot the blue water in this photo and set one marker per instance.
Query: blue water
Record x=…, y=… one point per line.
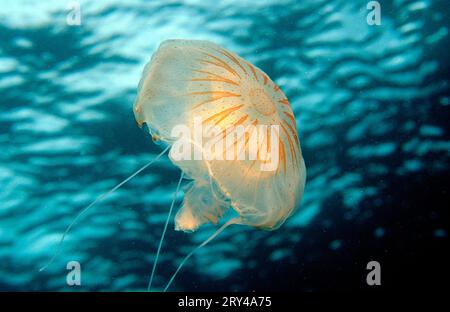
x=372, y=107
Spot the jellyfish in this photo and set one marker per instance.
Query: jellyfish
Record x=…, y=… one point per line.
x=186, y=79
x=192, y=82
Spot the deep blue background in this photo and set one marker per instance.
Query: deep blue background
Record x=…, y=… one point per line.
x=372, y=106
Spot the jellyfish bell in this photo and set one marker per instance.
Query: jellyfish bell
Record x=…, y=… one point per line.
x=186, y=79
x=190, y=80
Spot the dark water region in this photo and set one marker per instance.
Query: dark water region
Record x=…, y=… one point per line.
x=372, y=107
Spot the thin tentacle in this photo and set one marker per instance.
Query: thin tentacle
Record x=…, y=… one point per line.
x=100, y=198
x=164, y=231
x=232, y=221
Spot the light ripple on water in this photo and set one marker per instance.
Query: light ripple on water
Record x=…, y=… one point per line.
x=68, y=132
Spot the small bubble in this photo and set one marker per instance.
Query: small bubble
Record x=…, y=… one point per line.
x=379, y=232
x=336, y=244
x=440, y=233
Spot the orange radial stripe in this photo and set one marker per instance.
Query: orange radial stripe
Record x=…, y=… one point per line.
x=248, y=135
x=294, y=133
x=232, y=58
x=237, y=123
x=221, y=63
x=215, y=76
x=219, y=136
x=216, y=95
x=240, y=121
x=266, y=160
x=214, y=92
x=282, y=155
x=266, y=80
x=284, y=101
x=291, y=145
x=291, y=118
x=276, y=87
x=258, y=158
x=223, y=114
x=214, y=79
x=253, y=70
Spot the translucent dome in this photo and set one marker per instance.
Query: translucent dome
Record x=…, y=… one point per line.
x=186, y=79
